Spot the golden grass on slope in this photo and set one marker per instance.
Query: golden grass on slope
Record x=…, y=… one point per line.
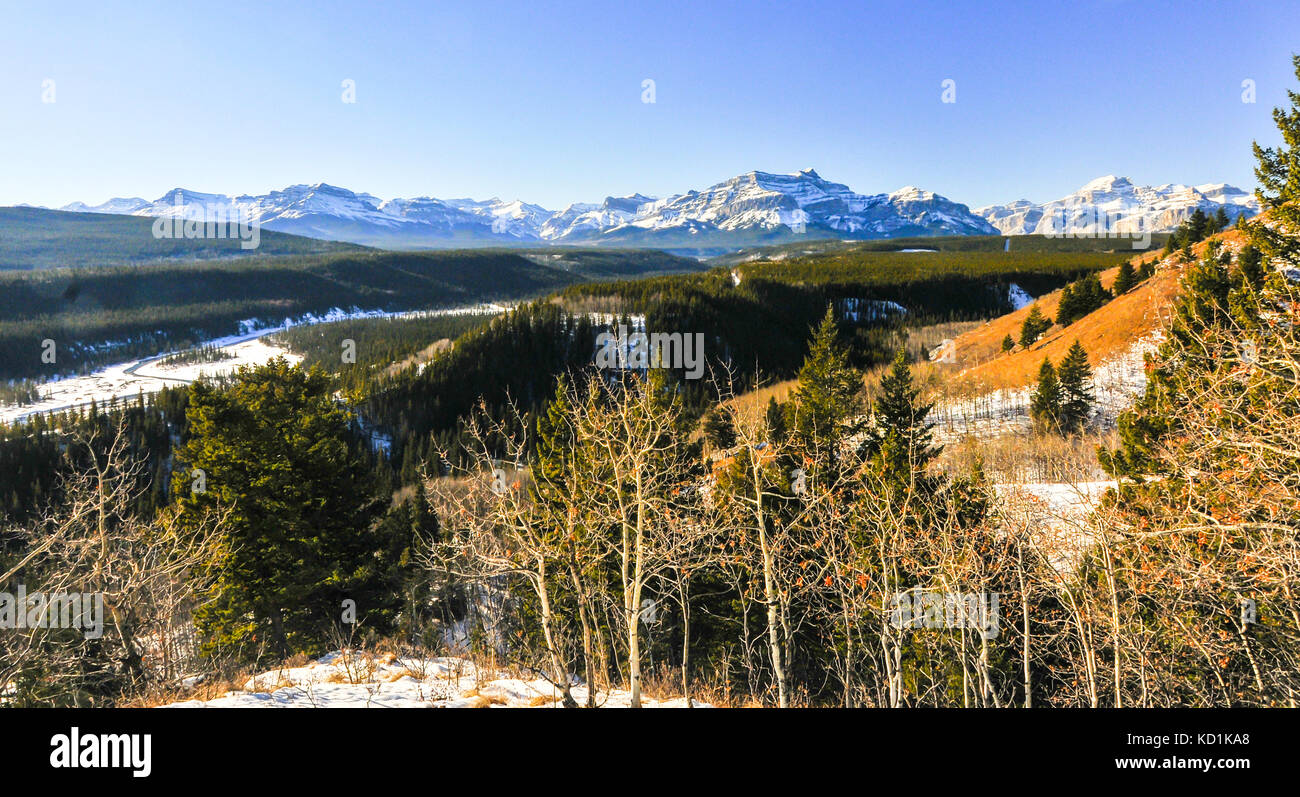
x=1105, y=333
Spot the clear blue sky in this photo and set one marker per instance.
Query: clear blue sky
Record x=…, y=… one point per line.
x=542, y=101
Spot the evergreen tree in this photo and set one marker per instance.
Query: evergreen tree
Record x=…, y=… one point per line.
x=278, y=452
x=822, y=410
x=775, y=421
x=1278, y=173
x=901, y=440
x=1198, y=226
x=1067, y=307
x=1077, y=397
x=1034, y=327
x=1008, y=343
x=1124, y=280
x=1220, y=221
x=718, y=429
x=1047, y=401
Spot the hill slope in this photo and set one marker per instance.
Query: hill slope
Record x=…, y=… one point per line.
x=35, y=238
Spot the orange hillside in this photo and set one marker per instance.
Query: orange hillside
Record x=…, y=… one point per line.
x=1105, y=333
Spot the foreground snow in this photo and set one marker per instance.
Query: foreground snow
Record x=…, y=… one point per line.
x=1059, y=513
x=351, y=680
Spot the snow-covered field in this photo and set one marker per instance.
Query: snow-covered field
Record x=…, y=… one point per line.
x=349, y=680
x=128, y=379
x=1058, y=512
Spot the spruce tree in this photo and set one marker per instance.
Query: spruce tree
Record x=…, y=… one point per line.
x=1124, y=280
x=1046, y=403
x=1278, y=173
x=775, y=421
x=1221, y=219
x=827, y=402
x=1066, y=309
x=277, y=451
x=718, y=429
x=1077, y=397
x=901, y=440
x=1034, y=327
x=1008, y=343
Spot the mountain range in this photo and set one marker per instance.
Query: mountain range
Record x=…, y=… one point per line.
x=749, y=209
x=1119, y=205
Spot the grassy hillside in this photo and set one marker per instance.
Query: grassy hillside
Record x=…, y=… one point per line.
x=1105, y=333
x=35, y=238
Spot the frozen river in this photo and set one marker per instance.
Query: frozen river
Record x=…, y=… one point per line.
x=147, y=375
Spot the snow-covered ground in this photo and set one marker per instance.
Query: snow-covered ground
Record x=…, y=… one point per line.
x=1057, y=512
x=350, y=680
x=128, y=379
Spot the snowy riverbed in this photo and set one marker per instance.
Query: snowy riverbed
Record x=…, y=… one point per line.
x=147, y=375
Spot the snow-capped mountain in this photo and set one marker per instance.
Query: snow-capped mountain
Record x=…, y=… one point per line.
x=583, y=218
x=1115, y=204
x=803, y=204
x=752, y=208
x=753, y=205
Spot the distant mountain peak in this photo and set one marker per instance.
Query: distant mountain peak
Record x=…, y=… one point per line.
x=1120, y=206
x=1109, y=182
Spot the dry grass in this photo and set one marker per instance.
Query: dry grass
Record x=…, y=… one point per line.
x=487, y=701
x=1030, y=458
x=1104, y=333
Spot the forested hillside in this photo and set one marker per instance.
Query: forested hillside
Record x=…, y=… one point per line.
x=35, y=238
x=111, y=314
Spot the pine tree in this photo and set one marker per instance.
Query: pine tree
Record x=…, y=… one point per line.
x=1066, y=308
x=1046, y=404
x=277, y=450
x=1034, y=327
x=775, y=421
x=901, y=440
x=718, y=429
x=1077, y=397
x=1197, y=226
x=1220, y=222
x=823, y=409
x=1278, y=173
x=1124, y=280
x=1008, y=343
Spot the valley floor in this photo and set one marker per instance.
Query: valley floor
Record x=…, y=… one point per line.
x=125, y=381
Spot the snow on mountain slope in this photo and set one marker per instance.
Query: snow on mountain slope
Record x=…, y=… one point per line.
x=584, y=218
x=751, y=207
x=792, y=204
x=805, y=203
x=1116, y=204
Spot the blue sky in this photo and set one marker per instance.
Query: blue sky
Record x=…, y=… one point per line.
x=543, y=101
